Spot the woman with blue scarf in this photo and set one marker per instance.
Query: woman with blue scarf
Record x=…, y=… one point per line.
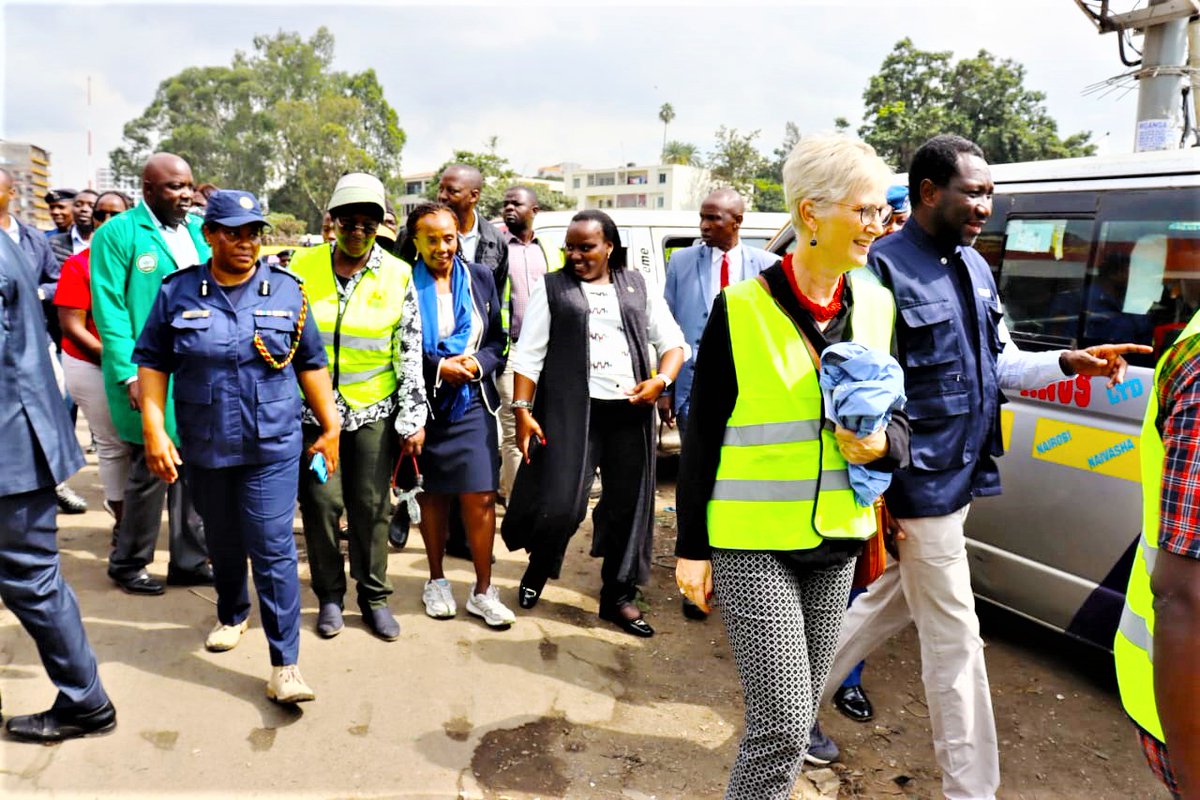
x=464, y=344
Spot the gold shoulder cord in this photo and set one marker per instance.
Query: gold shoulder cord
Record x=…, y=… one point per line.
x=262, y=348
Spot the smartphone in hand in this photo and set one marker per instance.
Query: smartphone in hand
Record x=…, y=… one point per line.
x=319, y=468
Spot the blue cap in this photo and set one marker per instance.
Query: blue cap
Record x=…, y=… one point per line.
x=897, y=197
x=231, y=208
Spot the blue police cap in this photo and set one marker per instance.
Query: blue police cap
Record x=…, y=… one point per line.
x=897, y=197
x=231, y=208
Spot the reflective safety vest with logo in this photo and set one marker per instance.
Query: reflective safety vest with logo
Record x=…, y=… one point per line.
x=782, y=483
x=358, y=337
x=1133, y=648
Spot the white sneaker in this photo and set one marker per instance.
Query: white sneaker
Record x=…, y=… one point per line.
x=439, y=601
x=488, y=606
x=287, y=685
x=225, y=637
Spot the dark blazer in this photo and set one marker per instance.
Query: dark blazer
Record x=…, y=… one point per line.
x=61, y=247
x=42, y=263
x=493, y=344
x=39, y=439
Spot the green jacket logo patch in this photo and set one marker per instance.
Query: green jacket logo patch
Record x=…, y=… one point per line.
x=147, y=262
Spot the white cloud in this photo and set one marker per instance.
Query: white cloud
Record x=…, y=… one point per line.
x=573, y=81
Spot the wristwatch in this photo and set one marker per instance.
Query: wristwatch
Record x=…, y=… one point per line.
x=666, y=379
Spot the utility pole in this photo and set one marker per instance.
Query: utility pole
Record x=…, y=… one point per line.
x=1160, y=120
x=1164, y=70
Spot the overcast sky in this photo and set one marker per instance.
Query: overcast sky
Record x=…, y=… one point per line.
x=564, y=82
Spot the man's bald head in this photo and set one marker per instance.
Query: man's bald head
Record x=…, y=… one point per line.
x=459, y=188
x=720, y=218
x=728, y=199
x=167, y=187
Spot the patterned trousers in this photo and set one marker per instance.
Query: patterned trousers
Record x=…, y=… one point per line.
x=783, y=627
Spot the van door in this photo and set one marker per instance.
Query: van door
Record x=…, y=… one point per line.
x=1057, y=543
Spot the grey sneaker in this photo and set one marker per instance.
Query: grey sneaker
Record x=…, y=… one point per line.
x=489, y=607
x=821, y=749
x=439, y=601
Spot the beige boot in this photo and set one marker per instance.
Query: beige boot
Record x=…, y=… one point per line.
x=225, y=637
x=287, y=685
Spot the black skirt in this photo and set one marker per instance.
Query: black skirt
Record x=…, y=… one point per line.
x=462, y=456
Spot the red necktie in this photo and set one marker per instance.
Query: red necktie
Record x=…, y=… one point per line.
x=724, y=270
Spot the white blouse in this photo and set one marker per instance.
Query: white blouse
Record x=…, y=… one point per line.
x=610, y=372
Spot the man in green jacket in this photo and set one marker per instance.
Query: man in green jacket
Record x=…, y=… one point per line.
x=130, y=256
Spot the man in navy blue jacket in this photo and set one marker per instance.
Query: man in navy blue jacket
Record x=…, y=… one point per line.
x=957, y=357
x=40, y=452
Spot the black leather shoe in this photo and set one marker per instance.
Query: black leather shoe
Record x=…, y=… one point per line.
x=527, y=596
x=141, y=583
x=693, y=611
x=398, y=527
x=54, y=726
x=201, y=576
x=381, y=623
x=329, y=620
x=852, y=701
x=636, y=627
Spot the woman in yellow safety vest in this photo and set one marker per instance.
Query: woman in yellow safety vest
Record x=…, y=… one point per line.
x=767, y=517
x=365, y=307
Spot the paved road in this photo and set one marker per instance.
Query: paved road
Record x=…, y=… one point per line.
x=562, y=705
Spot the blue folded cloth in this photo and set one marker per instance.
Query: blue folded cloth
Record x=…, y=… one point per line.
x=862, y=388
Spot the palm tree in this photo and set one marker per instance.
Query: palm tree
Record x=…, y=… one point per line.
x=666, y=114
x=675, y=152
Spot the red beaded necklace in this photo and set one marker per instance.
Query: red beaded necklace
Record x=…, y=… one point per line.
x=819, y=313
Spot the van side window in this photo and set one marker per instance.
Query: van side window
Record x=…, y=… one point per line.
x=1042, y=273
x=1146, y=284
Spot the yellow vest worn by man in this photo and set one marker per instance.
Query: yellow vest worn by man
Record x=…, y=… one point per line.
x=358, y=339
x=782, y=483
x=1133, y=649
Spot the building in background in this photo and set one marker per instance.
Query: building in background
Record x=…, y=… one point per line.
x=669, y=187
x=30, y=168
x=106, y=181
x=415, y=185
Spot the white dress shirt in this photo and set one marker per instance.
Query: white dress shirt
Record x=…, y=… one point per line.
x=735, y=267
x=610, y=372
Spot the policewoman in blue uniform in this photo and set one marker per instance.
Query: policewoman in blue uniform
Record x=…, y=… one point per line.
x=232, y=332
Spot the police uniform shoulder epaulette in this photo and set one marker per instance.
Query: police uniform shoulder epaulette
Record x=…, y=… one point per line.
x=170, y=276
x=286, y=271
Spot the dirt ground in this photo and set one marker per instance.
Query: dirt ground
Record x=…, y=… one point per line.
x=1062, y=732
x=562, y=705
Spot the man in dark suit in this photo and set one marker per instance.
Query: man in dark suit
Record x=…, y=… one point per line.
x=695, y=276
x=40, y=452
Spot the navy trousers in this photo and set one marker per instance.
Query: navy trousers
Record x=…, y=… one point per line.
x=248, y=512
x=32, y=586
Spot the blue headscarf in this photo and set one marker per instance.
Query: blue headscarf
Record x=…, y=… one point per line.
x=451, y=402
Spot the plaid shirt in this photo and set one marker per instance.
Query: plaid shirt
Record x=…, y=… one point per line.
x=1178, y=423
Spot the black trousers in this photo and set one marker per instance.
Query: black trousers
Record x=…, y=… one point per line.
x=616, y=444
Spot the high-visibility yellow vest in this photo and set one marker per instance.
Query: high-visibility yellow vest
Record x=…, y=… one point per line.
x=782, y=483
x=358, y=340
x=1133, y=648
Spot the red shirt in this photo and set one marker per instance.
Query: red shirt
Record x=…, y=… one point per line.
x=75, y=291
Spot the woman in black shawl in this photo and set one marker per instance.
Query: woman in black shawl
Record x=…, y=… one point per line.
x=585, y=350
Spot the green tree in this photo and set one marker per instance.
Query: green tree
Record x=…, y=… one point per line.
x=768, y=186
x=666, y=113
x=734, y=160
x=279, y=121
x=498, y=177
x=676, y=152
x=919, y=93
x=285, y=228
